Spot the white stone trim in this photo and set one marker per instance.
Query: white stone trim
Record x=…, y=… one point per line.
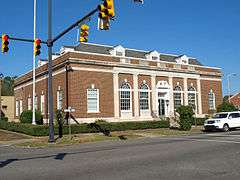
x=199, y=96
x=185, y=89
x=135, y=95
x=154, y=99
x=116, y=94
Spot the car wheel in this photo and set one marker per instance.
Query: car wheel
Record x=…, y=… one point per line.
x=225, y=127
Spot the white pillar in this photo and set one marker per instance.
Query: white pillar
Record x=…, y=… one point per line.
x=154, y=95
x=185, y=86
x=116, y=95
x=171, y=103
x=136, y=100
x=199, y=96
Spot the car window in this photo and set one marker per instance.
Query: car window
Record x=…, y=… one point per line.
x=220, y=116
x=234, y=115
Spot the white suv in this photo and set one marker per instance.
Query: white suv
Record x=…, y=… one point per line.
x=223, y=121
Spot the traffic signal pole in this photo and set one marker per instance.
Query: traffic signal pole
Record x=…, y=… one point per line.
x=50, y=93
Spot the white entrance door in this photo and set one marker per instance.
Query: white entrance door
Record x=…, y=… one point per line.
x=163, y=93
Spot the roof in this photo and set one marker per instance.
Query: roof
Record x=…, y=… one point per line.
x=132, y=53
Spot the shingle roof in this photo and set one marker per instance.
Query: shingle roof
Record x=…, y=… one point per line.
x=102, y=49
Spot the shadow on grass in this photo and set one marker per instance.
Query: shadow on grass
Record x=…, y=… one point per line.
x=105, y=131
x=122, y=137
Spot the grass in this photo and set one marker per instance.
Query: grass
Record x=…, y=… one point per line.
x=41, y=142
x=11, y=136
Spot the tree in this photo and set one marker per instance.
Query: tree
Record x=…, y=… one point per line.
x=8, y=86
x=226, y=107
x=186, y=117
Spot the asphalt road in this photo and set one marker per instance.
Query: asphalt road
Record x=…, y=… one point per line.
x=206, y=156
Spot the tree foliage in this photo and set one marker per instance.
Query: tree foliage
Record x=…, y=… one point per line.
x=186, y=117
x=8, y=86
x=226, y=107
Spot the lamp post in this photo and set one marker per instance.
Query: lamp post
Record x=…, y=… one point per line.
x=229, y=86
x=1, y=77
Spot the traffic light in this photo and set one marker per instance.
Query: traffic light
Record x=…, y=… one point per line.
x=106, y=13
x=5, y=43
x=84, y=33
x=37, y=47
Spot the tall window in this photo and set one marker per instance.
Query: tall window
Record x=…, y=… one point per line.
x=93, y=100
x=211, y=100
x=17, y=108
x=125, y=97
x=59, y=99
x=20, y=107
x=192, y=97
x=144, y=97
x=177, y=95
x=29, y=103
x=42, y=102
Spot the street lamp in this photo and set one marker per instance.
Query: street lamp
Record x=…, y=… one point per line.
x=1, y=77
x=228, y=81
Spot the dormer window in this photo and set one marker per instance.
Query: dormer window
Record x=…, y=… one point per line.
x=153, y=55
x=118, y=51
x=183, y=59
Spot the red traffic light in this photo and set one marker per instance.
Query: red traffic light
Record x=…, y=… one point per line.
x=38, y=41
x=5, y=37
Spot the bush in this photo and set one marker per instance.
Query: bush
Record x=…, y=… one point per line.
x=26, y=117
x=4, y=119
x=198, y=121
x=186, y=117
x=226, y=107
x=43, y=130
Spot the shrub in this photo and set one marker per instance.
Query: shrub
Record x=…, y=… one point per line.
x=26, y=117
x=186, y=117
x=226, y=107
x=4, y=119
x=198, y=121
x=43, y=130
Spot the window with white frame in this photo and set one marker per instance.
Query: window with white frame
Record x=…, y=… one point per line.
x=211, y=100
x=192, y=97
x=42, y=103
x=17, y=108
x=29, y=103
x=20, y=107
x=125, y=97
x=93, y=100
x=144, y=97
x=177, y=96
x=59, y=99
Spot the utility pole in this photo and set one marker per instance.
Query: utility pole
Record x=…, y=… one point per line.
x=1, y=77
x=50, y=93
x=34, y=63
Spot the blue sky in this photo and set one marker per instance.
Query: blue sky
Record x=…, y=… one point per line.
x=208, y=30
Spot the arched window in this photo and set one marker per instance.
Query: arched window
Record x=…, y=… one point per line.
x=144, y=97
x=177, y=95
x=192, y=97
x=211, y=100
x=125, y=97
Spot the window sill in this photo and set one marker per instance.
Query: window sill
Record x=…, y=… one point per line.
x=93, y=112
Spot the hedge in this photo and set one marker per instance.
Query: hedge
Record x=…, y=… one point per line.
x=199, y=121
x=43, y=130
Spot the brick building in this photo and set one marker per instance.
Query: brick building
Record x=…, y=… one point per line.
x=235, y=100
x=121, y=84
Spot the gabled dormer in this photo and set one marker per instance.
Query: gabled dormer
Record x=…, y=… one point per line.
x=118, y=51
x=153, y=55
x=183, y=59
